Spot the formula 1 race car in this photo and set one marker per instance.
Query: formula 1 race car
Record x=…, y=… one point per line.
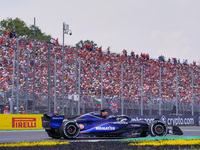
x=92, y=125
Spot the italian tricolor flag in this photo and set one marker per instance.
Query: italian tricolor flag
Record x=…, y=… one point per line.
x=98, y=102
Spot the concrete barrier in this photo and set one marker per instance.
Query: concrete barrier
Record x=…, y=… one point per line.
x=20, y=122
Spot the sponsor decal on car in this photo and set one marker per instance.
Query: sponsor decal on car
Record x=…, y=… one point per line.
x=105, y=128
x=57, y=117
x=135, y=125
x=119, y=123
x=81, y=126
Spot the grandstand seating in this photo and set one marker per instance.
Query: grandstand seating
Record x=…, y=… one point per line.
x=91, y=74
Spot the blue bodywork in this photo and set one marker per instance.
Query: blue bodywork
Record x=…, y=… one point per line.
x=56, y=121
x=91, y=124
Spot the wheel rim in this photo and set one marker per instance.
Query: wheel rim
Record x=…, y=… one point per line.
x=159, y=129
x=71, y=129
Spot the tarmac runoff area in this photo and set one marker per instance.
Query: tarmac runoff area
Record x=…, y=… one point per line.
x=41, y=135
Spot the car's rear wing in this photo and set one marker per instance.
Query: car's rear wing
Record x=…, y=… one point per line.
x=50, y=120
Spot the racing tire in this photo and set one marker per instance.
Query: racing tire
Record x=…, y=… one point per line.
x=53, y=134
x=158, y=128
x=69, y=129
x=144, y=134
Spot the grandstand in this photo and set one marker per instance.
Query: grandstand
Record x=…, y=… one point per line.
x=177, y=79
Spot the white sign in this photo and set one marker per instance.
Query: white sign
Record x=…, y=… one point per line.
x=76, y=97
x=70, y=97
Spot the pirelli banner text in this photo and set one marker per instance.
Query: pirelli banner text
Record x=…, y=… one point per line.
x=20, y=122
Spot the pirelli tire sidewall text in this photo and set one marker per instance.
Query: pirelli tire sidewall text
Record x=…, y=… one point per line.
x=158, y=128
x=69, y=129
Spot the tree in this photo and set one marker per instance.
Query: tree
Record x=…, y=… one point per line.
x=21, y=29
x=39, y=34
x=86, y=42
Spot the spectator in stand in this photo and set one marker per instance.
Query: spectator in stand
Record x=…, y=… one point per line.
x=14, y=34
x=100, y=51
x=91, y=73
x=179, y=61
x=11, y=33
x=142, y=55
x=52, y=41
x=161, y=58
x=57, y=112
x=108, y=50
x=124, y=52
x=133, y=54
x=6, y=111
x=22, y=111
x=87, y=46
x=7, y=33
x=185, y=62
x=57, y=41
x=174, y=61
x=169, y=60
x=1, y=40
x=147, y=56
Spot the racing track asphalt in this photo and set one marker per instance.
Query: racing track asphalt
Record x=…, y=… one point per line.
x=41, y=135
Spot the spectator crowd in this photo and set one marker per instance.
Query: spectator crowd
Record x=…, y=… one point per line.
x=136, y=68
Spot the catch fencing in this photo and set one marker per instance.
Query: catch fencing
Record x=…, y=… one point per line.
x=136, y=86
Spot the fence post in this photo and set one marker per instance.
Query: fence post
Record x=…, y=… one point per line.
x=122, y=97
x=13, y=81
x=102, y=85
x=192, y=93
x=55, y=102
x=34, y=101
x=160, y=94
x=17, y=75
x=141, y=103
x=79, y=87
x=27, y=70
x=176, y=91
x=49, y=78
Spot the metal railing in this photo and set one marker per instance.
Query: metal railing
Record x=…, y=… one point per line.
x=137, y=86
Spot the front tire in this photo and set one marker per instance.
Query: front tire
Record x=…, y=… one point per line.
x=158, y=128
x=70, y=129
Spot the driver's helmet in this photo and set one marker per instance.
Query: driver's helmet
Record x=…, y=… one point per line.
x=104, y=114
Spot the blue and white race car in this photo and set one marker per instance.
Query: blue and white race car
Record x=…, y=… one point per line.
x=90, y=124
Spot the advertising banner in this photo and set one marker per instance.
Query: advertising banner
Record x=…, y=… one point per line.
x=171, y=120
x=20, y=122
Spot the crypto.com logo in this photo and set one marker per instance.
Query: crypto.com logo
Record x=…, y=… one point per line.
x=163, y=118
x=23, y=122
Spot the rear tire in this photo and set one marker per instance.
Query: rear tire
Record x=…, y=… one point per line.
x=144, y=134
x=53, y=134
x=158, y=128
x=69, y=129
